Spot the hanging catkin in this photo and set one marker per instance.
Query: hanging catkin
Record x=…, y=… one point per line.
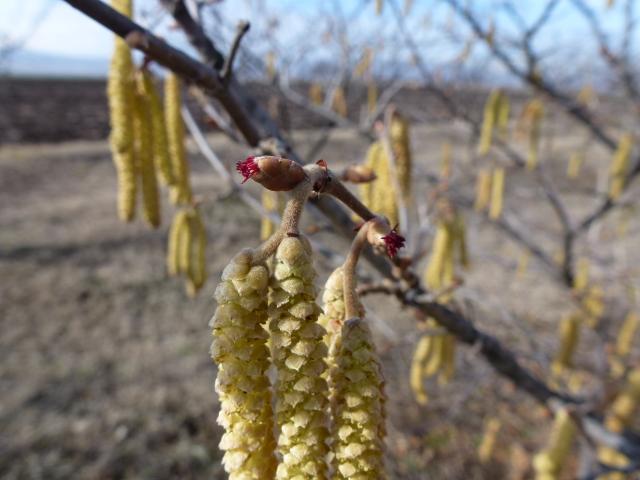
x=400, y=141
x=372, y=96
x=298, y=353
x=160, y=145
x=569, y=333
x=364, y=65
x=491, y=108
x=575, y=162
x=619, y=165
x=548, y=463
x=416, y=375
x=181, y=191
x=502, y=120
x=239, y=349
x=624, y=340
x=372, y=160
x=497, y=193
x=621, y=413
x=534, y=114
x=357, y=404
x=339, y=104
x=488, y=442
x=176, y=235
x=316, y=95
x=445, y=160
x=483, y=190
x=383, y=199
x=186, y=250
x=120, y=90
x=142, y=128
x=197, y=272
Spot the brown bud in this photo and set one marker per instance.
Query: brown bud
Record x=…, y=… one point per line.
x=278, y=174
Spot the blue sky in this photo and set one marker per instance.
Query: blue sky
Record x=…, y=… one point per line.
x=52, y=27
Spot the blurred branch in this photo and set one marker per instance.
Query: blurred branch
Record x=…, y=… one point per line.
x=227, y=69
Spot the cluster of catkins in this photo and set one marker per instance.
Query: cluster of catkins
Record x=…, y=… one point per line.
x=381, y=195
x=435, y=352
x=148, y=144
x=323, y=416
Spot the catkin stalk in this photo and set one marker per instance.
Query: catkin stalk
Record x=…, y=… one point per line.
x=181, y=191
x=239, y=349
x=357, y=405
x=497, y=193
x=298, y=353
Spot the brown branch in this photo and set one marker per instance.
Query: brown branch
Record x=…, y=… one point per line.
x=227, y=70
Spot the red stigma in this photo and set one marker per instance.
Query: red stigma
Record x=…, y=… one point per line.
x=247, y=168
x=394, y=242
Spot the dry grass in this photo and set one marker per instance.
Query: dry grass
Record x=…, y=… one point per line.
x=104, y=364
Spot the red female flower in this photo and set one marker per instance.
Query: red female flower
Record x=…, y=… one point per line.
x=393, y=242
x=247, y=168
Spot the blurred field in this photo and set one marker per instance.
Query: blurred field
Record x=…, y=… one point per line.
x=104, y=364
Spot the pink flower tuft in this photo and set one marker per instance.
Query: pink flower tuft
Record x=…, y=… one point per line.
x=394, y=242
x=247, y=168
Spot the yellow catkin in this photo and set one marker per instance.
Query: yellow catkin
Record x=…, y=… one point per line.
x=442, y=246
x=197, y=270
x=497, y=193
x=401, y=143
x=160, y=146
x=364, y=65
x=185, y=251
x=120, y=91
x=621, y=413
x=523, y=263
x=488, y=122
x=181, y=191
x=339, y=104
x=333, y=309
x=504, y=109
x=383, y=195
x=575, y=163
x=142, y=127
x=372, y=96
x=445, y=160
x=569, y=333
x=240, y=351
x=619, y=166
x=586, y=95
x=271, y=205
x=416, y=376
x=372, y=161
x=581, y=278
x=548, y=463
x=488, y=442
x=379, y=7
x=593, y=304
x=270, y=65
x=483, y=190
x=316, y=95
x=535, y=112
x=626, y=334
x=357, y=405
x=180, y=222
x=298, y=353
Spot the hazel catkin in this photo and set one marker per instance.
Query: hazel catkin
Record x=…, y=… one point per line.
x=239, y=349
